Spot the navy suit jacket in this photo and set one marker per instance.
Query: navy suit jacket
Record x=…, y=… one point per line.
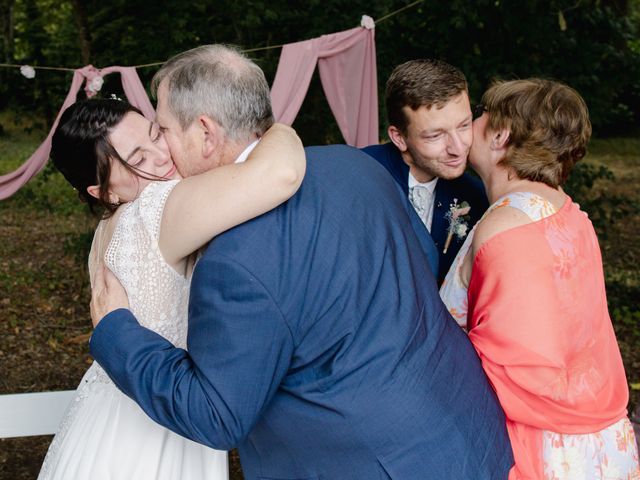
x=318, y=345
x=465, y=188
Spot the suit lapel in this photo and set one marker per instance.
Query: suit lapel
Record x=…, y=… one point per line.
x=443, y=200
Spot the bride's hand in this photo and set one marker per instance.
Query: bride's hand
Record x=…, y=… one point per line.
x=107, y=294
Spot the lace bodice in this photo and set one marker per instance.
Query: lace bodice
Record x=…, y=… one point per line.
x=158, y=295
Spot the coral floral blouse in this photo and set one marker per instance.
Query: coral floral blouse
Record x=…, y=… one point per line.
x=538, y=318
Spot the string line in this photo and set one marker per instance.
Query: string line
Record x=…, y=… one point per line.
x=257, y=49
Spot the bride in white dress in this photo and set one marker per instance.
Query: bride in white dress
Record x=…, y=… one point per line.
x=153, y=224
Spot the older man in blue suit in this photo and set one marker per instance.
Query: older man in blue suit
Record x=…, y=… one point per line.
x=430, y=131
x=317, y=342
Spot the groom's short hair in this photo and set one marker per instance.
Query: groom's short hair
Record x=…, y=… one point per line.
x=221, y=82
x=418, y=83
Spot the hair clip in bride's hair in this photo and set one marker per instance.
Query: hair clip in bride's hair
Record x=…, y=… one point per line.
x=115, y=97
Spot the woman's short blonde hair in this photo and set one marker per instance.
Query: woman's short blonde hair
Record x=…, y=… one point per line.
x=548, y=123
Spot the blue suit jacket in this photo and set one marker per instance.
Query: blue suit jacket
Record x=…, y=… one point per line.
x=465, y=188
x=318, y=345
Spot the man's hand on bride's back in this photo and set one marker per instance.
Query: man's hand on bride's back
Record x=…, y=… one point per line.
x=107, y=294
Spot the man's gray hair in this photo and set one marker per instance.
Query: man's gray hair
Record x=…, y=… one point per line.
x=221, y=82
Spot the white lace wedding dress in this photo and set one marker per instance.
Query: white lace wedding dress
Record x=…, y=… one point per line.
x=104, y=434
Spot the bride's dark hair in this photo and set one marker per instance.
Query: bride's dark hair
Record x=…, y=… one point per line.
x=81, y=149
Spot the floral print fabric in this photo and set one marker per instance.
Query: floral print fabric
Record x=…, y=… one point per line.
x=545, y=340
x=610, y=454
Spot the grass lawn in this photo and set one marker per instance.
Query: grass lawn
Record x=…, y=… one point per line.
x=45, y=234
x=620, y=198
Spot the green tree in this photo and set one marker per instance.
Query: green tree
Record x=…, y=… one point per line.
x=590, y=44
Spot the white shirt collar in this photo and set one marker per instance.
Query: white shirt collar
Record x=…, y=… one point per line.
x=430, y=185
x=245, y=153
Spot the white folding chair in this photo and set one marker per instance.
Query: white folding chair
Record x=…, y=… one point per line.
x=27, y=414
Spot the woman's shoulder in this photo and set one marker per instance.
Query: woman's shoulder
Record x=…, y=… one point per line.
x=496, y=221
x=149, y=205
x=514, y=210
x=156, y=189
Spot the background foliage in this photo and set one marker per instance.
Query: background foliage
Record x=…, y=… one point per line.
x=591, y=44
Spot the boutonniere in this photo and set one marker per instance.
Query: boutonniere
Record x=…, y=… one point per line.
x=457, y=221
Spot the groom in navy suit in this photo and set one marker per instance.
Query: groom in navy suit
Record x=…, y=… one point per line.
x=430, y=130
x=317, y=343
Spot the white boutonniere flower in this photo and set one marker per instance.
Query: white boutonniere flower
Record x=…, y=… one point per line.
x=458, y=225
x=461, y=230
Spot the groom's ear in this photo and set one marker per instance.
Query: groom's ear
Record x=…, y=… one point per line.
x=213, y=135
x=397, y=138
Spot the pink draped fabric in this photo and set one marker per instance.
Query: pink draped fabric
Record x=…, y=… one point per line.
x=539, y=321
x=347, y=65
x=133, y=89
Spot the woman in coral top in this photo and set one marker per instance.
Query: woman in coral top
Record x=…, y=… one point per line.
x=529, y=288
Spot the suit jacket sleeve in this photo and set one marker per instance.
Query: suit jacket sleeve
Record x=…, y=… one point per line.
x=239, y=350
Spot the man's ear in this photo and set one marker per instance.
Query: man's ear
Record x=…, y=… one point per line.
x=213, y=135
x=500, y=139
x=94, y=191
x=397, y=138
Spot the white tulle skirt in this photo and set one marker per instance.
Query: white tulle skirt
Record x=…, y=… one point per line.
x=105, y=435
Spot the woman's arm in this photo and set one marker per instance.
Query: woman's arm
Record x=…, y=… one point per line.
x=202, y=206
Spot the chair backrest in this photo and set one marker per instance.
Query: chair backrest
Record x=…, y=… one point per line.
x=27, y=414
